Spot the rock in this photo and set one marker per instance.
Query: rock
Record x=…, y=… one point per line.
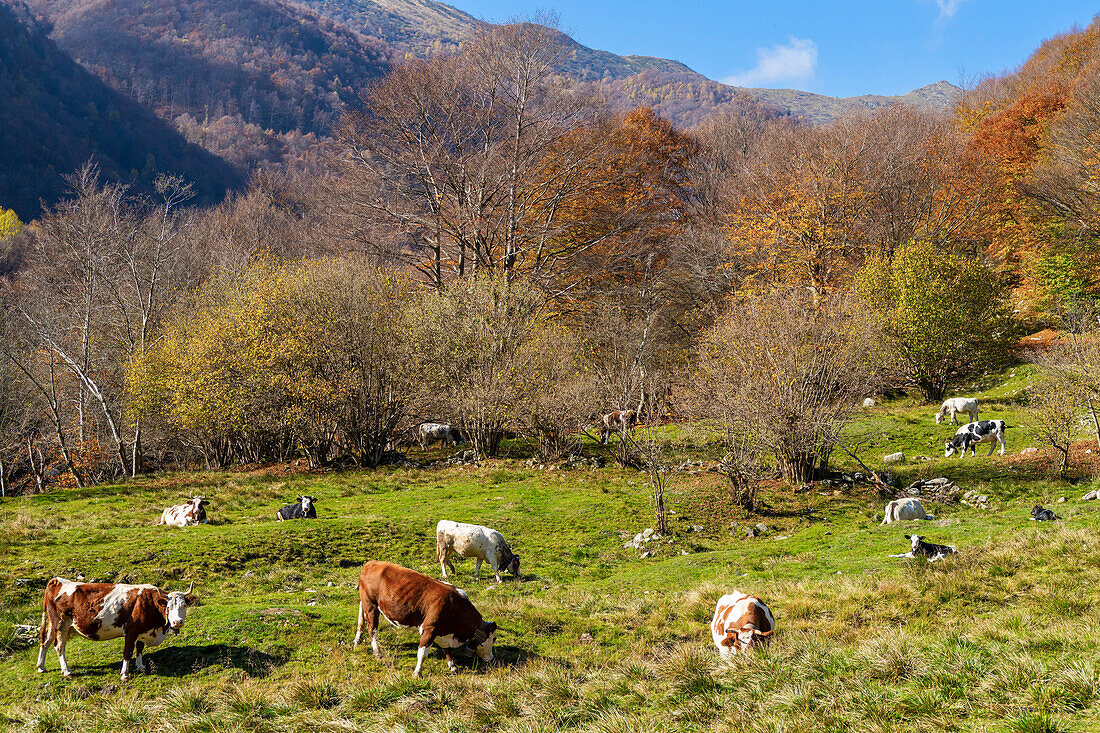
x=1026, y=451
x=647, y=533
x=645, y=554
x=761, y=528
x=586, y=638
x=938, y=481
x=1088, y=451
x=983, y=499
x=697, y=528
x=1061, y=500
x=869, y=402
x=638, y=538
x=921, y=459
x=683, y=552
x=1091, y=496
x=898, y=457
x=750, y=531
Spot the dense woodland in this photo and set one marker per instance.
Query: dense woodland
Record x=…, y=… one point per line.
x=486, y=246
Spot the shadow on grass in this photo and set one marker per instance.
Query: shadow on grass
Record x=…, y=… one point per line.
x=505, y=655
x=180, y=661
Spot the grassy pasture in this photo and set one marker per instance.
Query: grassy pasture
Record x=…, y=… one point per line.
x=1003, y=637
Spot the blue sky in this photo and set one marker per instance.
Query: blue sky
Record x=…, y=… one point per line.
x=837, y=48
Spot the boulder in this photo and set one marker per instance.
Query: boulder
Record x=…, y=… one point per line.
x=1026, y=451
x=869, y=402
x=898, y=457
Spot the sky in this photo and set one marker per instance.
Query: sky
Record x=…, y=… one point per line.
x=841, y=48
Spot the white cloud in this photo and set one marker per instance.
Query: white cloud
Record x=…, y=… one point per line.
x=948, y=7
x=795, y=61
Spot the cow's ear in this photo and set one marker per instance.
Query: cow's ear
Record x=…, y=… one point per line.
x=491, y=627
x=908, y=537
x=764, y=634
x=162, y=603
x=191, y=599
x=729, y=640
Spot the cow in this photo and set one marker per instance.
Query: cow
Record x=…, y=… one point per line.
x=438, y=610
x=1039, y=514
x=920, y=548
x=473, y=540
x=740, y=622
x=142, y=614
x=957, y=405
x=968, y=436
x=185, y=515
x=900, y=510
x=430, y=432
x=302, y=510
x=621, y=420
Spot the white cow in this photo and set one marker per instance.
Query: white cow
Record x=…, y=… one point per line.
x=739, y=622
x=430, y=432
x=957, y=405
x=900, y=510
x=185, y=515
x=473, y=540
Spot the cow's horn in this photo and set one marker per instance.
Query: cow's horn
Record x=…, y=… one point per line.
x=191, y=587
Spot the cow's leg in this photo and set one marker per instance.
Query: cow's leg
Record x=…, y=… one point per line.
x=139, y=663
x=61, y=638
x=127, y=655
x=477, y=570
x=450, y=662
x=494, y=563
x=427, y=636
x=954, y=418
x=368, y=612
x=46, y=632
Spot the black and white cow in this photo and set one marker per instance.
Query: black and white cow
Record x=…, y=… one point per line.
x=302, y=510
x=968, y=436
x=932, y=551
x=1039, y=514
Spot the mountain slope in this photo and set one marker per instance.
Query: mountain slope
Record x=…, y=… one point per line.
x=56, y=116
x=225, y=64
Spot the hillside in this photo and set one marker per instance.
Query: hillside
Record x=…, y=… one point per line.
x=56, y=116
x=818, y=108
x=224, y=70
x=597, y=636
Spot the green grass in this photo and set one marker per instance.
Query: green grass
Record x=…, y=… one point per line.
x=1002, y=637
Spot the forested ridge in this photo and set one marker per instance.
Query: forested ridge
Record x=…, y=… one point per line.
x=57, y=115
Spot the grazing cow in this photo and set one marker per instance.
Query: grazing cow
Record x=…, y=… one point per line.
x=302, y=510
x=621, y=420
x=1039, y=514
x=430, y=432
x=473, y=540
x=438, y=610
x=185, y=515
x=920, y=548
x=740, y=621
x=900, y=510
x=143, y=614
x=957, y=405
x=968, y=436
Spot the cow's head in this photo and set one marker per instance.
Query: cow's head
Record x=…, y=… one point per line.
x=914, y=541
x=513, y=567
x=745, y=637
x=1036, y=510
x=481, y=642
x=174, y=607
x=198, y=502
x=307, y=502
x=953, y=445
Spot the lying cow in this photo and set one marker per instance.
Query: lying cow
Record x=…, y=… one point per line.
x=929, y=550
x=901, y=510
x=473, y=540
x=302, y=510
x=438, y=610
x=142, y=614
x=620, y=420
x=1039, y=514
x=957, y=405
x=740, y=622
x=430, y=432
x=185, y=515
x=968, y=436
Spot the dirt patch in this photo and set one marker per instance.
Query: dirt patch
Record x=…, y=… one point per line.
x=1039, y=340
x=1084, y=459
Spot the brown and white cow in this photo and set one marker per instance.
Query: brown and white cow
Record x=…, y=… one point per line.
x=143, y=614
x=185, y=515
x=438, y=610
x=620, y=420
x=740, y=622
